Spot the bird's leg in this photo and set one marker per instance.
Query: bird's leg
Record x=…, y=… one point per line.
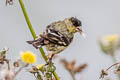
x=50, y=57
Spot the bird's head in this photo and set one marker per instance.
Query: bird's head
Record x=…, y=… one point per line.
x=76, y=25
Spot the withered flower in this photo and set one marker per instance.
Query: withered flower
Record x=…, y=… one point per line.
x=110, y=43
x=80, y=68
x=16, y=64
x=10, y=2
x=103, y=73
x=70, y=66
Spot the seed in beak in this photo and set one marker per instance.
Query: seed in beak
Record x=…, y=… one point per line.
x=80, y=30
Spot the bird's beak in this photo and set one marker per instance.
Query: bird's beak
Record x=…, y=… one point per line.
x=80, y=30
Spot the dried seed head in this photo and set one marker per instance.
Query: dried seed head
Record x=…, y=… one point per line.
x=64, y=62
x=117, y=71
x=34, y=68
x=80, y=68
x=16, y=64
x=70, y=66
x=103, y=73
x=10, y=2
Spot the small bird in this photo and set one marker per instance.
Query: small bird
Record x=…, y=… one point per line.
x=58, y=35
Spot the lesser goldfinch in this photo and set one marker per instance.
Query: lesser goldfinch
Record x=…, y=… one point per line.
x=58, y=35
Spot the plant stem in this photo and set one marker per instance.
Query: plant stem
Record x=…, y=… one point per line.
x=72, y=75
x=114, y=61
x=27, y=19
x=34, y=35
x=21, y=69
x=112, y=66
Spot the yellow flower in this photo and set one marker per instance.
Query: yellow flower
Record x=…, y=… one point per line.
x=111, y=38
x=40, y=66
x=28, y=57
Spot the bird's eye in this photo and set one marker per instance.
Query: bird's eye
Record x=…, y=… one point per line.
x=75, y=22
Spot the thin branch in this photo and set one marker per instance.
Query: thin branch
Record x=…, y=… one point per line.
x=114, y=60
x=19, y=70
x=72, y=75
x=112, y=66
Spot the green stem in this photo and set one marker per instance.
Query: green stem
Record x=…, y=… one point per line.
x=114, y=61
x=34, y=35
x=27, y=19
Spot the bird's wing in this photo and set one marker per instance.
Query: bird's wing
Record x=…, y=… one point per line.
x=55, y=37
x=55, y=33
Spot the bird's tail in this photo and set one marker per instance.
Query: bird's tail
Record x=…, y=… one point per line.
x=35, y=43
x=30, y=42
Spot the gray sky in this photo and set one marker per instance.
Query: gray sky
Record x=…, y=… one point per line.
x=99, y=17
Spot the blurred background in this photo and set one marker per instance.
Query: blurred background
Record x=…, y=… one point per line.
x=99, y=18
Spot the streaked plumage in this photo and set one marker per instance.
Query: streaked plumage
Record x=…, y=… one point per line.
x=58, y=35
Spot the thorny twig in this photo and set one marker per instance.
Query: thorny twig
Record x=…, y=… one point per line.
x=104, y=72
